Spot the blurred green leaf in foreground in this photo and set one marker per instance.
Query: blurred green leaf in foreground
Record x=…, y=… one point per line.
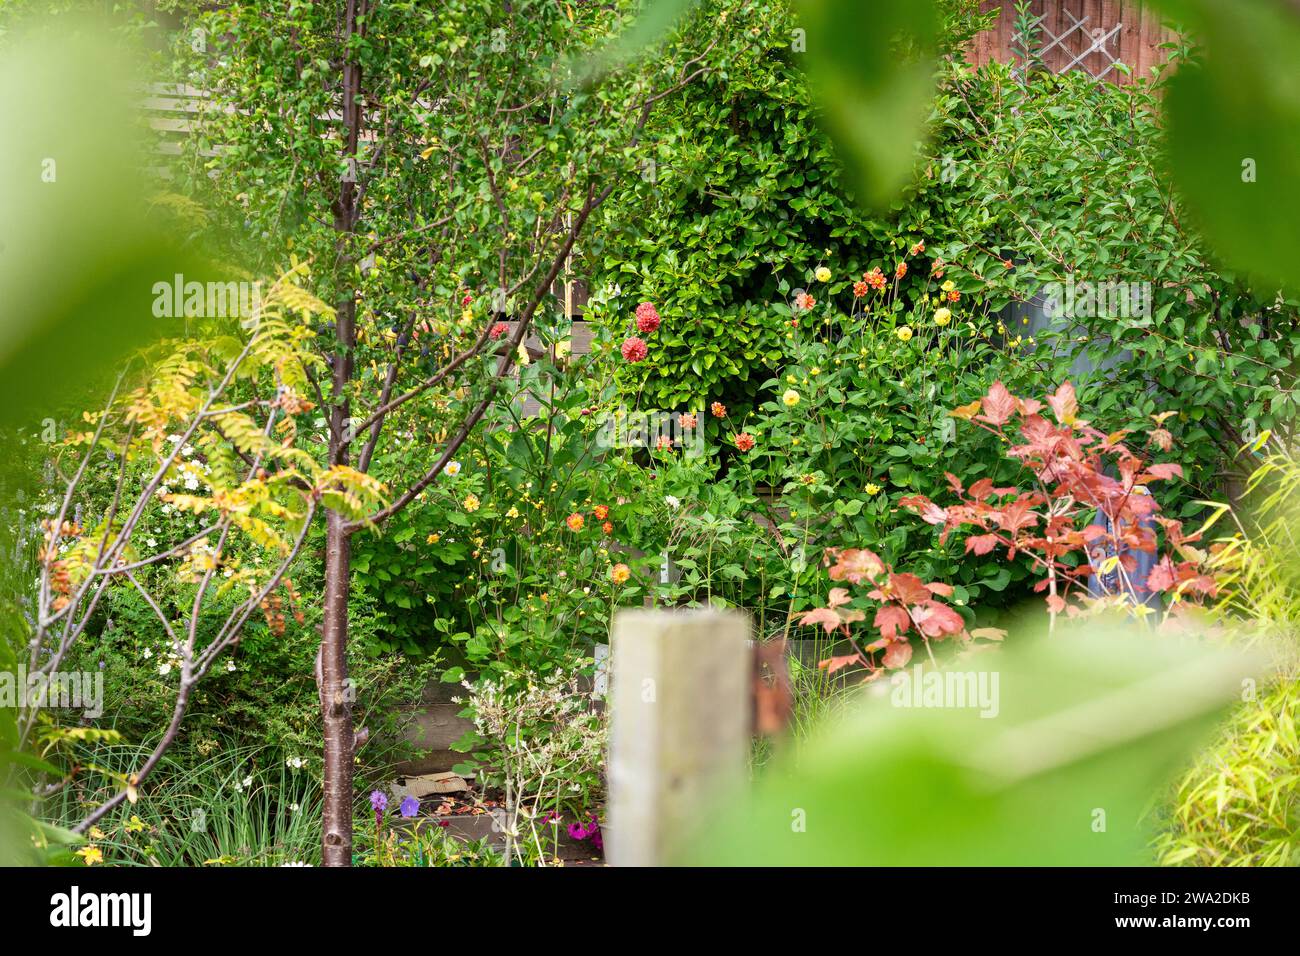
x=1234, y=131
x=78, y=255
x=1089, y=726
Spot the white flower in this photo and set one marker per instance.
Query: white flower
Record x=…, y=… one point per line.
x=153, y=542
x=296, y=863
x=148, y=653
x=188, y=451
x=230, y=666
x=248, y=781
x=191, y=482
x=294, y=808
x=165, y=668
x=451, y=469
x=673, y=502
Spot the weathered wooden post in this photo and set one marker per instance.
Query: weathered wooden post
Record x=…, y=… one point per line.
x=680, y=726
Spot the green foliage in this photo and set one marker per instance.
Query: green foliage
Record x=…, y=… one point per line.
x=72, y=158
x=1088, y=724
x=425, y=846
x=871, y=69
x=1238, y=804
x=1062, y=178
x=869, y=422
x=1029, y=180
x=264, y=693
x=240, y=807
x=1234, y=133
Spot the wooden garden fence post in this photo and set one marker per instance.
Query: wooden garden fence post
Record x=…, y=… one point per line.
x=680, y=726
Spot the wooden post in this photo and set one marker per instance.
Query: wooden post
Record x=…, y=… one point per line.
x=680, y=726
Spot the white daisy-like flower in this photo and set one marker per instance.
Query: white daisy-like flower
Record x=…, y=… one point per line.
x=295, y=863
x=230, y=666
x=148, y=652
x=673, y=501
x=451, y=469
x=165, y=668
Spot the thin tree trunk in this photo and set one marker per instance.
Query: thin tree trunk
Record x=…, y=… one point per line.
x=332, y=674
x=336, y=697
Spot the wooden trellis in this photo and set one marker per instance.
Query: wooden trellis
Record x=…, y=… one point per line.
x=1095, y=40
x=1094, y=36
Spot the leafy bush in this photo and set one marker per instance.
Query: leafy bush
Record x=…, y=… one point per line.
x=1238, y=804
x=240, y=807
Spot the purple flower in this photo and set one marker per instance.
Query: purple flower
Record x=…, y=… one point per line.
x=379, y=801
x=410, y=807
x=577, y=831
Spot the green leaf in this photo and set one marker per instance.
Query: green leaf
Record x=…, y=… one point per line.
x=870, y=67
x=654, y=23
x=1087, y=727
x=1234, y=117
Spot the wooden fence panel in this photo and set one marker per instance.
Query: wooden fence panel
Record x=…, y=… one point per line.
x=1080, y=34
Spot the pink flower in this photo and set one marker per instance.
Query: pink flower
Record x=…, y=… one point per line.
x=803, y=302
x=498, y=330
x=634, y=349
x=647, y=318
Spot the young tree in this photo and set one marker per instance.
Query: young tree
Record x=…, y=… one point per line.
x=214, y=417
x=439, y=165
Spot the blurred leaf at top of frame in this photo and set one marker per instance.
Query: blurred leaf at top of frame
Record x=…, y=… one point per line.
x=870, y=67
x=656, y=20
x=78, y=257
x=1088, y=727
x=1234, y=131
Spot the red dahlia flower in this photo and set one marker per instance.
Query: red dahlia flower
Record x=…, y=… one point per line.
x=647, y=318
x=634, y=349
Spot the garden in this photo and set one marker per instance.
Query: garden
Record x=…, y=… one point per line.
x=729, y=432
